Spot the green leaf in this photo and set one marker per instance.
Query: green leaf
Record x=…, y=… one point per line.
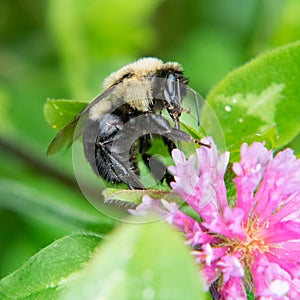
x=269, y=137
x=69, y=215
x=131, y=197
x=5, y=122
x=260, y=94
x=50, y=270
x=295, y=145
x=192, y=131
x=230, y=185
x=140, y=262
x=59, y=113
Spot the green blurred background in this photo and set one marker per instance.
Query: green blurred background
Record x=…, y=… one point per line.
x=63, y=49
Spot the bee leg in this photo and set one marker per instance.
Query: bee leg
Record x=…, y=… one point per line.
x=122, y=164
x=170, y=135
x=213, y=289
x=179, y=135
x=171, y=146
x=125, y=172
x=106, y=156
x=157, y=168
x=159, y=126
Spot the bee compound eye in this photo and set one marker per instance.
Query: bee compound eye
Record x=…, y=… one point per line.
x=171, y=80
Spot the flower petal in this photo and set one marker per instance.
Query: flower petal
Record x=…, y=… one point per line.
x=282, y=231
x=233, y=289
x=281, y=180
x=249, y=173
x=231, y=267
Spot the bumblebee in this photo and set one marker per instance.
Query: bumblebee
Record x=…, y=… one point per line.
x=121, y=122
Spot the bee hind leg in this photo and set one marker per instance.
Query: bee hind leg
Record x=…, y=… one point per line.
x=156, y=167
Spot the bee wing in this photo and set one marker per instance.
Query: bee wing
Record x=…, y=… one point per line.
x=66, y=136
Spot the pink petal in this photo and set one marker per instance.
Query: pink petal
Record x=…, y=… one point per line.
x=263, y=273
x=185, y=174
x=207, y=157
x=282, y=231
x=294, y=292
x=254, y=158
x=289, y=211
x=233, y=290
x=197, y=236
x=288, y=251
x=279, y=288
x=148, y=204
x=209, y=254
x=228, y=225
x=231, y=267
x=177, y=218
x=210, y=274
x=249, y=173
x=290, y=266
x=281, y=180
x=210, y=163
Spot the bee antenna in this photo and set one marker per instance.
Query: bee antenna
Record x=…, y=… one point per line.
x=197, y=105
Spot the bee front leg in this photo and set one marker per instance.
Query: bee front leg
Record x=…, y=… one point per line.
x=158, y=125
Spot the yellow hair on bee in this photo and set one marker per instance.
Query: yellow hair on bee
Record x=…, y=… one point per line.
x=132, y=84
x=139, y=68
x=142, y=67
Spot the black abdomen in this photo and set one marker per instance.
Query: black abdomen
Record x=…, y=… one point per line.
x=107, y=156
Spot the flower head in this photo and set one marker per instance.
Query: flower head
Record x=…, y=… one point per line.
x=255, y=244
